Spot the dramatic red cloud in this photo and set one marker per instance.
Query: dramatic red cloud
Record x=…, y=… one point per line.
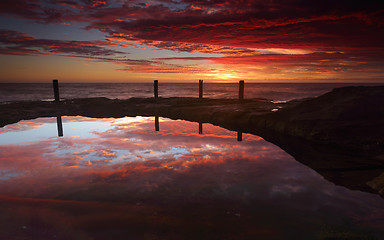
x=253, y=24
x=345, y=35
x=248, y=24
x=128, y=40
x=17, y=43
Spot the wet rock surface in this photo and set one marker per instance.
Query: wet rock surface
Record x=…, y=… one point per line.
x=351, y=117
x=339, y=134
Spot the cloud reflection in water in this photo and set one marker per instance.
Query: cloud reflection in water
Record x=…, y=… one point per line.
x=175, y=170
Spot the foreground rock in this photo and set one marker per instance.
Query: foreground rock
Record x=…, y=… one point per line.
x=351, y=117
x=208, y=110
x=339, y=134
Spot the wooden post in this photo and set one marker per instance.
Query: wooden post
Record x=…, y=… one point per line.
x=59, y=126
x=157, y=128
x=156, y=88
x=239, y=136
x=56, y=90
x=200, y=89
x=241, y=90
x=200, y=128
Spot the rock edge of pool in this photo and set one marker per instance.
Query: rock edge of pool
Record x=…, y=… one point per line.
x=338, y=132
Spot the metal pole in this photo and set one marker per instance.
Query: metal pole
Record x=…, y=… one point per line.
x=200, y=89
x=156, y=88
x=241, y=90
x=56, y=90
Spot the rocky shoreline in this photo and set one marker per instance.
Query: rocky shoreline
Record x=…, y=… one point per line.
x=339, y=134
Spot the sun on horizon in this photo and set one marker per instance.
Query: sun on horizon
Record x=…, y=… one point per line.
x=184, y=40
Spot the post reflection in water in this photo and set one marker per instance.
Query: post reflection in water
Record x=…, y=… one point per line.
x=200, y=128
x=239, y=136
x=118, y=178
x=157, y=126
x=59, y=126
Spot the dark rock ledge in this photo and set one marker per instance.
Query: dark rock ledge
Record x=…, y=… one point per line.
x=339, y=134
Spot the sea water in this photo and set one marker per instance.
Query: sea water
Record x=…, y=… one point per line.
x=273, y=91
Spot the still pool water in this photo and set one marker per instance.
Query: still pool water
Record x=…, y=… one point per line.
x=148, y=178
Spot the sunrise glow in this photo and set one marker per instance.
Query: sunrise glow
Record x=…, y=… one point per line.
x=187, y=40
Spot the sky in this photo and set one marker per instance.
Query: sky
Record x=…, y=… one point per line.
x=188, y=40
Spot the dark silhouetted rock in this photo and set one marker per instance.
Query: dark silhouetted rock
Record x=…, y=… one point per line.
x=339, y=134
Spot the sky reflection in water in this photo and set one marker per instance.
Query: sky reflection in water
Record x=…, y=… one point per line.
x=129, y=174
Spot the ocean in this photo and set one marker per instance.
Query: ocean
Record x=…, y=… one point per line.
x=274, y=91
